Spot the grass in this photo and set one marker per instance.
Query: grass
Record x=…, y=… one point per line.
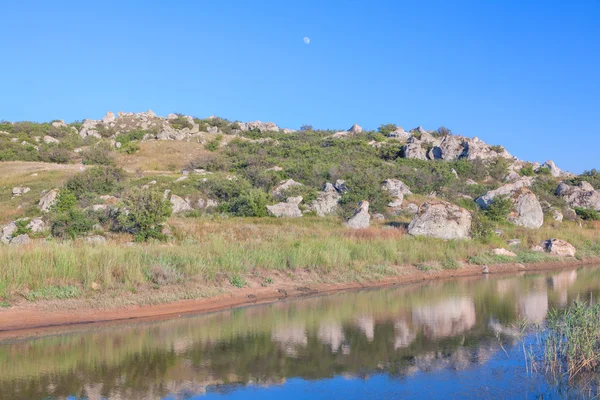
x=213, y=251
x=572, y=346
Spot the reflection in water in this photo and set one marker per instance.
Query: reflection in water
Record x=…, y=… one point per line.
x=400, y=332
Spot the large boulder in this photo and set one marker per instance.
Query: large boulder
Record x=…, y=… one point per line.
x=558, y=247
x=50, y=140
x=36, y=225
x=399, y=133
x=20, y=239
x=258, y=126
x=583, y=195
x=361, y=218
x=397, y=190
x=326, y=202
x=48, y=200
x=527, y=212
x=7, y=232
x=503, y=191
x=441, y=220
x=284, y=186
x=179, y=204
x=289, y=208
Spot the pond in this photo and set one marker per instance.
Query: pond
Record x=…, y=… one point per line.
x=444, y=339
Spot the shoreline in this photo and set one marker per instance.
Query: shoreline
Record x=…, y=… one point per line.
x=30, y=320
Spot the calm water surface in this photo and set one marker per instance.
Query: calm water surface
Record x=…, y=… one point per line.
x=453, y=339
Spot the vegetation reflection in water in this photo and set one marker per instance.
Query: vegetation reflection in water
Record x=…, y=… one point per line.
x=400, y=331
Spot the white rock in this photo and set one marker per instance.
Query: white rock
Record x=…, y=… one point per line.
x=558, y=248
x=8, y=232
x=50, y=140
x=20, y=190
x=48, y=200
x=441, y=220
x=503, y=252
x=289, y=208
x=361, y=218
x=179, y=204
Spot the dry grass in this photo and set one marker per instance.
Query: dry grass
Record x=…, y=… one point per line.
x=161, y=156
x=37, y=176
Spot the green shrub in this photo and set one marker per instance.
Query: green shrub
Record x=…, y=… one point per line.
x=499, y=209
x=142, y=213
x=100, y=154
x=96, y=181
x=71, y=224
x=66, y=201
x=587, y=214
x=180, y=122
x=527, y=170
x=386, y=129
x=238, y=281
x=252, y=203
x=482, y=228
x=55, y=154
x=214, y=144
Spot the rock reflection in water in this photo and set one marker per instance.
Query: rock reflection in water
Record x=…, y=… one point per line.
x=399, y=331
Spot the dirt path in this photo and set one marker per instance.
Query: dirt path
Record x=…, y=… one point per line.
x=34, y=320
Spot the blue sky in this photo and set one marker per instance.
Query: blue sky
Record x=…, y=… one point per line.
x=524, y=74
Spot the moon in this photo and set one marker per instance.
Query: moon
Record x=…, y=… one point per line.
x=306, y=40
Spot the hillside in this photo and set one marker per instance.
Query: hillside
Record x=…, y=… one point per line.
x=222, y=203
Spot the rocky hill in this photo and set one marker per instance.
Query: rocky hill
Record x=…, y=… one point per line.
x=441, y=184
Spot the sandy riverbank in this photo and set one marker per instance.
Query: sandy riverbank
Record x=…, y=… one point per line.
x=33, y=319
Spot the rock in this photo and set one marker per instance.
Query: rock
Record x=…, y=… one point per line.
x=503, y=252
x=558, y=247
x=470, y=182
x=259, y=126
x=180, y=179
x=179, y=204
x=289, y=208
x=441, y=220
x=454, y=173
x=397, y=189
x=109, y=117
x=399, y=133
x=505, y=190
x=378, y=217
x=485, y=269
x=20, y=240
x=58, y=124
x=50, y=140
x=112, y=200
x=557, y=215
x=554, y=170
x=340, y=186
x=512, y=177
x=354, y=129
x=582, y=195
x=326, y=202
x=514, y=242
x=36, y=225
x=284, y=186
x=20, y=190
x=415, y=149
x=452, y=148
x=95, y=239
x=48, y=200
x=99, y=207
x=498, y=232
x=275, y=168
x=538, y=249
x=361, y=218
x=95, y=286
x=8, y=232
x=528, y=211
x=411, y=208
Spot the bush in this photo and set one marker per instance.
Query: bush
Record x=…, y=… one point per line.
x=55, y=154
x=96, y=181
x=386, y=129
x=70, y=224
x=180, y=122
x=499, y=209
x=482, y=228
x=100, y=154
x=249, y=204
x=587, y=214
x=527, y=170
x=214, y=144
x=65, y=202
x=142, y=214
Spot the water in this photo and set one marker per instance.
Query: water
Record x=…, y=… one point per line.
x=451, y=339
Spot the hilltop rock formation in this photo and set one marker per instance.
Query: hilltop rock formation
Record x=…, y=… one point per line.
x=583, y=195
x=441, y=220
x=361, y=218
x=354, y=129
